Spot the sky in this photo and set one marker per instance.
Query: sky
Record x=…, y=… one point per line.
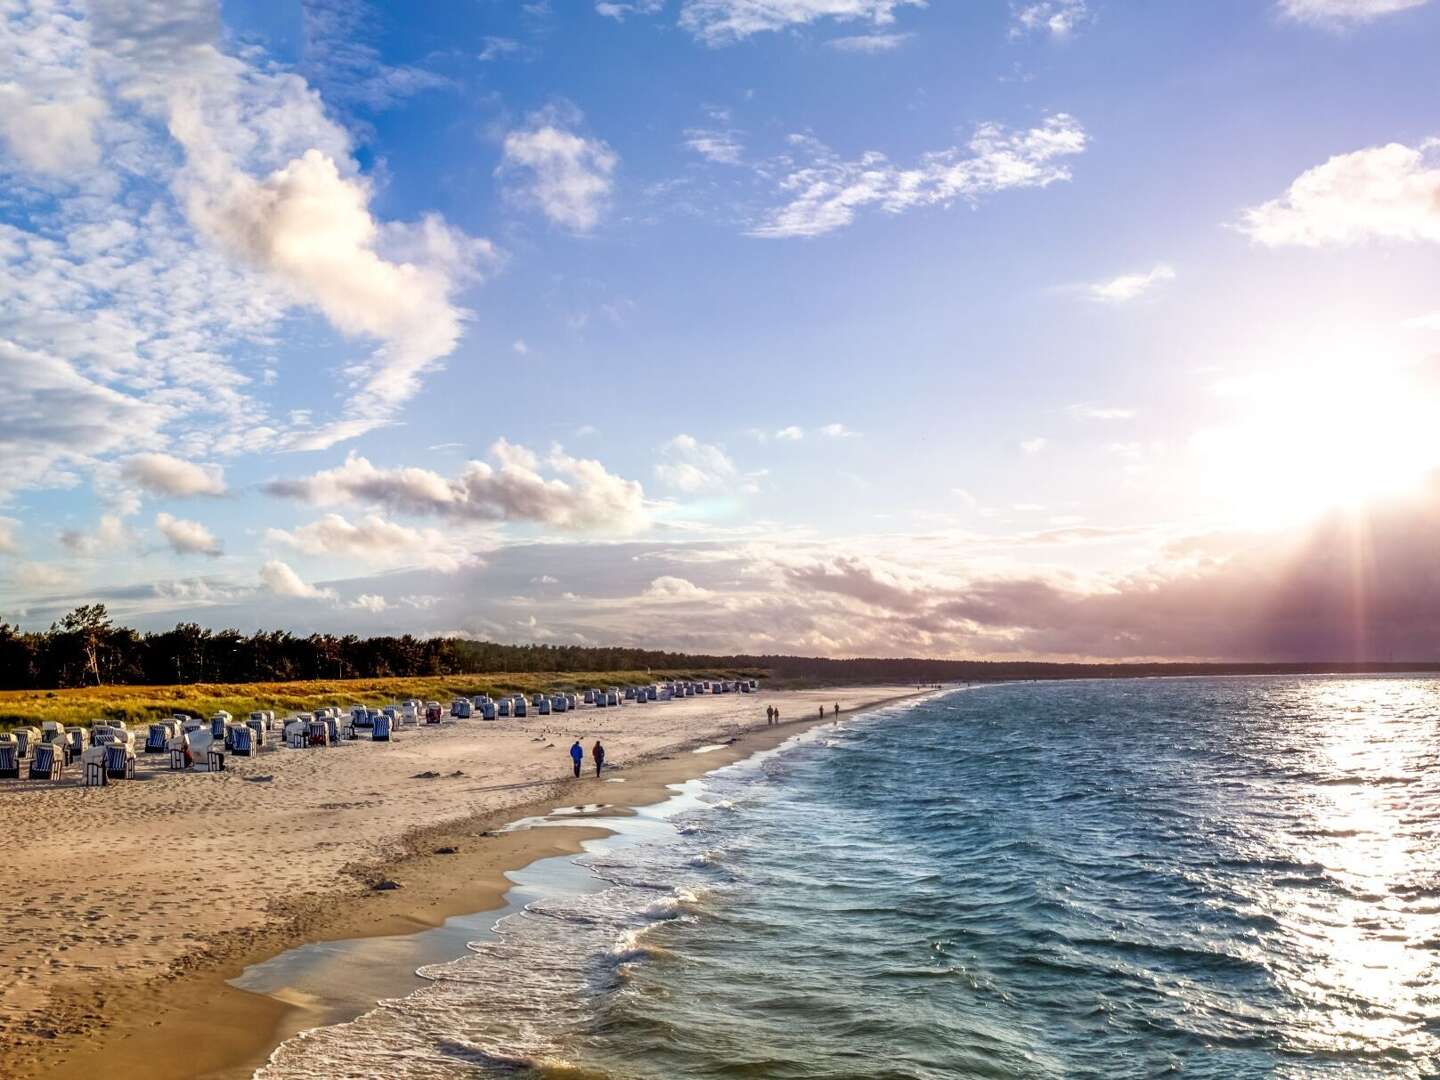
x=1062, y=329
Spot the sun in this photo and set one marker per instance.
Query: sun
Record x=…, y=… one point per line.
x=1305, y=443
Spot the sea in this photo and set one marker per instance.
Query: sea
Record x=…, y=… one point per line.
x=1212, y=878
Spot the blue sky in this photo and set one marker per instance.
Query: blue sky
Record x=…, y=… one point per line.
x=838, y=326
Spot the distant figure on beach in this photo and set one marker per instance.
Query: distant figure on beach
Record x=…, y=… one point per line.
x=822, y=712
x=777, y=714
x=577, y=755
x=769, y=714
x=837, y=709
x=599, y=754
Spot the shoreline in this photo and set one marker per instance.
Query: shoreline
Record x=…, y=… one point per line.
x=192, y=1023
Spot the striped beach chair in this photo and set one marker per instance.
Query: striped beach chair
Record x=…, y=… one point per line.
x=318, y=732
x=9, y=758
x=74, y=743
x=242, y=740
x=159, y=738
x=25, y=738
x=47, y=762
x=119, y=762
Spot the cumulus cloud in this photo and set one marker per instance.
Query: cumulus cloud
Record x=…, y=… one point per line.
x=110, y=535
x=689, y=466
x=581, y=495
x=280, y=579
x=187, y=537
x=619, y=11
x=669, y=589
x=9, y=536
x=1128, y=287
x=371, y=602
x=724, y=22
x=825, y=192
x=1057, y=18
x=1344, y=10
x=1387, y=192
x=566, y=176
x=377, y=541
x=163, y=474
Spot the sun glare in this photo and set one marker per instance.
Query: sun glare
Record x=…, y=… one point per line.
x=1308, y=443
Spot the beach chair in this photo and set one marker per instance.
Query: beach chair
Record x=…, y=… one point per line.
x=317, y=732
x=51, y=731
x=178, y=747
x=159, y=738
x=9, y=758
x=257, y=728
x=92, y=765
x=242, y=740
x=558, y=703
x=214, y=759
x=487, y=710
x=543, y=709
x=297, y=734
x=119, y=762
x=504, y=707
x=74, y=743
x=381, y=731
x=47, y=762
x=25, y=738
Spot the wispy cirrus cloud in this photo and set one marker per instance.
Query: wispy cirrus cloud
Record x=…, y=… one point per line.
x=1055, y=18
x=823, y=192
x=725, y=22
x=868, y=43
x=1339, y=11
x=1129, y=287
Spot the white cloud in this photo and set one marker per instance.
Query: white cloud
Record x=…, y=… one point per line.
x=723, y=22
x=618, y=11
x=163, y=474
x=720, y=147
x=520, y=347
x=371, y=602
x=187, y=537
x=1034, y=446
x=1387, y=192
x=869, y=43
x=1344, y=10
x=110, y=535
x=496, y=47
x=568, y=177
x=582, y=494
x=1058, y=18
x=1101, y=412
x=1128, y=287
x=838, y=431
x=693, y=467
x=9, y=538
x=280, y=579
x=377, y=541
x=825, y=193
x=793, y=433
x=668, y=589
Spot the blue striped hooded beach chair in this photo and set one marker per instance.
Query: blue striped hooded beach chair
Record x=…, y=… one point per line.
x=9, y=758
x=119, y=762
x=47, y=762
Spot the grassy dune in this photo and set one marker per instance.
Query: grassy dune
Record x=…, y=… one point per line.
x=141, y=703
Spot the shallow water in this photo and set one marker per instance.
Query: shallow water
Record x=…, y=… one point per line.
x=1210, y=878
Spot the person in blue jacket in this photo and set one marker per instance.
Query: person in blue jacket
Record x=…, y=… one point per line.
x=577, y=755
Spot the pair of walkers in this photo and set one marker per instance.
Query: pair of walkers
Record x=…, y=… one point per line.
x=577, y=755
x=772, y=714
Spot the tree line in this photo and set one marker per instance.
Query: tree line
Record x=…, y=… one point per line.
x=86, y=648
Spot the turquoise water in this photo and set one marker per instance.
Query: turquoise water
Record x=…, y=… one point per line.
x=1206, y=878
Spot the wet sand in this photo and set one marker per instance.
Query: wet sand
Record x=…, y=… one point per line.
x=131, y=906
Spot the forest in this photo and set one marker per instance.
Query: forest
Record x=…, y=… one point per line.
x=86, y=648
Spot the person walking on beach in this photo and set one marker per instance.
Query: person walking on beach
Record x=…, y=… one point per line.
x=837, y=709
x=769, y=715
x=599, y=754
x=577, y=755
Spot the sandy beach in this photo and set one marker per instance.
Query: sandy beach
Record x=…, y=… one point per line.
x=129, y=906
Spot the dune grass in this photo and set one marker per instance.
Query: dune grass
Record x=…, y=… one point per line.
x=141, y=703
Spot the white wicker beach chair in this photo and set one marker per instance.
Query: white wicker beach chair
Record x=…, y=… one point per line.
x=9, y=757
x=119, y=762
x=25, y=738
